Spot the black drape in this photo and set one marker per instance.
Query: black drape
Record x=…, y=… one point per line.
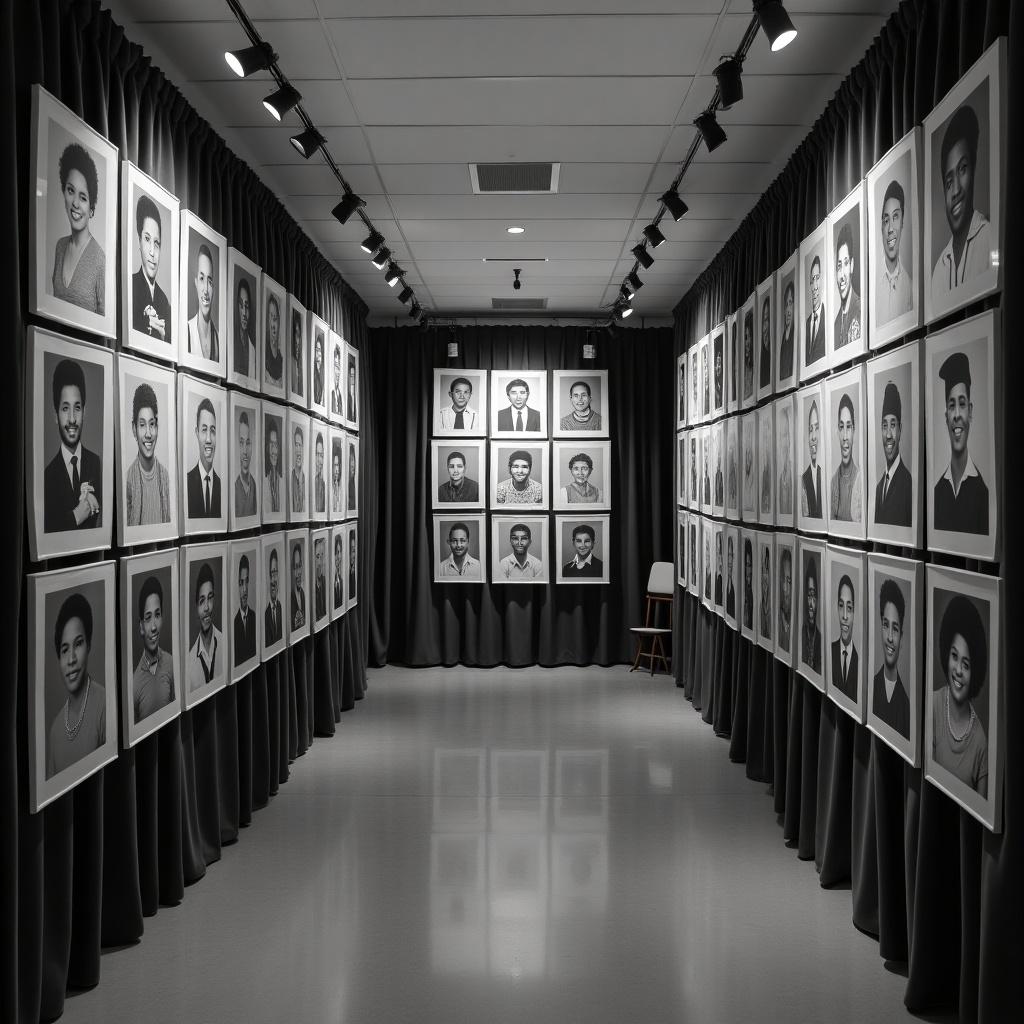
x=82, y=873
x=417, y=622
x=938, y=890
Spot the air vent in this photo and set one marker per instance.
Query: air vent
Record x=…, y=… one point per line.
x=519, y=303
x=514, y=179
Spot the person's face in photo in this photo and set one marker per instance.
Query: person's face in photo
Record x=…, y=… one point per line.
x=336, y=468
x=580, y=398
x=844, y=272
x=766, y=323
x=845, y=615
x=298, y=448
x=77, y=205
x=718, y=555
x=70, y=416
x=520, y=541
x=520, y=470
x=273, y=447
x=812, y=434
x=959, y=412
x=785, y=435
x=460, y=394
x=352, y=377
x=891, y=431
x=811, y=600
x=204, y=608
x=815, y=284
x=146, y=431
x=149, y=248
x=244, y=447
x=206, y=437
x=958, y=187
x=748, y=341
x=788, y=308
x=151, y=624
x=730, y=557
x=748, y=568
x=337, y=557
x=273, y=323
x=337, y=369
x=244, y=308
x=845, y=434
x=458, y=542
x=456, y=470
x=243, y=587
x=892, y=638
x=583, y=543
x=275, y=576
x=319, y=560
x=297, y=336
x=204, y=285
x=352, y=552
x=718, y=368
x=786, y=584
x=958, y=670
x=580, y=471
x=892, y=229
x=518, y=396
x=318, y=455
x=73, y=655
x=297, y=567
x=318, y=355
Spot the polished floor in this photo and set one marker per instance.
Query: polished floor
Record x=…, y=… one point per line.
x=495, y=846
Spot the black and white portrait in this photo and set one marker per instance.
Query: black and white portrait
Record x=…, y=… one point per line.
x=73, y=241
x=894, y=241
x=338, y=570
x=351, y=476
x=846, y=610
x=338, y=472
x=519, y=549
x=732, y=362
x=682, y=450
x=147, y=462
x=787, y=302
x=717, y=433
x=69, y=485
x=336, y=360
x=150, y=650
x=785, y=576
x=202, y=298
x=693, y=467
x=580, y=400
x=706, y=470
x=894, y=447
x=810, y=595
x=693, y=559
x=748, y=581
x=518, y=403
x=296, y=465
x=245, y=462
x=459, y=548
x=319, y=471
x=298, y=352
x=244, y=321
x=680, y=390
x=764, y=605
x=764, y=330
x=149, y=266
x=812, y=486
x=519, y=474
x=321, y=541
x=844, y=453
x=352, y=549
x=718, y=370
x=317, y=365
x=273, y=570
x=749, y=468
x=244, y=606
x=72, y=678
x=460, y=403
x=749, y=323
x=298, y=602
x=707, y=563
x=784, y=454
x=205, y=439
x=962, y=725
x=963, y=200
x=351, y=387
x=274, y=442
x=733, y=580
x=766, y=464
x=961, y=420
x=457, y=473
x=895, y=638
x=706, y=392
x=581, y=473
x=718, y=554
x=732, y=468
x=272, y=350
x=681, y=548
x=849, y=336
x=203, y=596
x=815, y=310
x=582, y=549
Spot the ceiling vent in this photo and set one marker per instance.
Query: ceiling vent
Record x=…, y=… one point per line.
x=519, y=303
x=514, y=179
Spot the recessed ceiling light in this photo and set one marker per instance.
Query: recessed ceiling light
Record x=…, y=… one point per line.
x=515, y=229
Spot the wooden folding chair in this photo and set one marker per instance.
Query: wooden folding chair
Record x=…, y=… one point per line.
x=649, y=636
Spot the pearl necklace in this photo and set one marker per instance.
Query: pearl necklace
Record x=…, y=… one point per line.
x=949, y=723
x=72, y=730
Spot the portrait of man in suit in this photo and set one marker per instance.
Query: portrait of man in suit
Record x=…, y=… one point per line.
x=203, y=483
x=339, y=569
x=352, y=564
x=319, y=484
x=245, y=618
x=272, y=471
x=151, y=309
x=297, y=610
x=318, y=366
x=518, y=416
x=584, y=564
x=320, y=581
x=810, y=479
x=459, y=415
x=890, y=700
x=719, y=367
x=719, y=582
x=766, y=593
x=844, y=650
x=815, y=333
x=351, y=412
x=337, y=409
x=272, y=617
x=298, y=481
x=730, y=588
x=893, y=492
x=848, y=325
x=764, y=377
x=785, y=564
x=245, y=340
x=810, y=632
x=748, y=584
x=73, y=479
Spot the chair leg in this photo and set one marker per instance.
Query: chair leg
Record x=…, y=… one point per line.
x=639, y=652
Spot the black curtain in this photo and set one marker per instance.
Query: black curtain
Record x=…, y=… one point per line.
x=84, y=872
x=939, y=890
x=417, y=622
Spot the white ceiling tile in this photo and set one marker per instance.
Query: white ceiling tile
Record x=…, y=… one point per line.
x=579, y=230
x=202, y=10
x=746, y=143
x=317, y=179
x=346, y=145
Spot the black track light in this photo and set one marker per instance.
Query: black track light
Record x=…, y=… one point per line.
x=414, y=310
x=707, y=124
x=381, y=259
x=394, y=275
x=729, y=75
x=626, y=292
x=350, y=202
x=643, y=257
x=775, y=23
x=517, y=284
x=626, y=311
x=653, y=235
x=425, y=321
x=405, y=294
x=308, y=142
x=675, y=206
x=635, y=284
x=284, y=99
x=248, y=61
x=372, y=242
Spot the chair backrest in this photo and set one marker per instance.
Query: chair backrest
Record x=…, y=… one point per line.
x=662, y=579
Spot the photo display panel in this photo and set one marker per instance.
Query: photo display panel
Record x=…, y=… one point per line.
x=459, y=467
x=460, y=403
x=787, y=362
x=815, y=299
x=203, y=257
x=273, y=362
x=203, y=419
x=845, y=608
x=244, y=323
x=203, y=595
x=580, y=400
x=846, y=250
x=519, y=404
x=245, y=461
x=764, y=327
x=582, y=548
x=460, y=543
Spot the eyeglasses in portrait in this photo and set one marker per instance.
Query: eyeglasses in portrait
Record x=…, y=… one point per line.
x=69, y=488
x=298, y=352
x=459, y=403
x=785, y=474
x=815, y=336
x=297, y=605
x=519, y=474
x=766, y=464
x=749, y=580
x=580, y=403
x=786, y=363
x=582, y=549
x=317, y=365
x=246, y=470
x=203, y=418
x=964, y=209
x=202, y=615
x=846, y=611
x=459, y=548
x=352, y=476
x=73, y=244
x=749, y=468
x=147, y=452
x=273, y=357
x=733, y=560
x=244, y=305
x=351, y=386
x=243, y=608
x=275, y=575
x=71, y=680
x=352, y=544
x=785, y=577
x=275, y=452
x=321, y=540
x=202, y=309
x=845, y=248
x=150, y=218
x=296, y=451
x=519, y=549
x=764, y=342
x=519, y=403
x=336, y=377
x=844, y=454
x=457, y=471
x=812, y=511
x=764, y=583
x=318, y=496
x=811, y=638
x=963, y=718
x=338, y=570
x=581, y=473
x=339, y=445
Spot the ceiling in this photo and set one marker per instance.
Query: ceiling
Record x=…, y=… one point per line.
x=409, y=92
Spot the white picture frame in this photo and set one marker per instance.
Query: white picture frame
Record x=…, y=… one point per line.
x=273, y=478
x=458, y=473
x=733, y=566
x=733, y=361
x=469, y=389
x=202, y=426
x=575, y=393
x=764, y=591
x=296, y=477
x=748, y=352
x=717, y=433
x=351, y=386
x=572, y=482
x=339, y=570
x=299, y=603
x=320, y=589
x=298, y=352
x=747, y=557
x=274, y=581
x=507, y=489
x=318, y=383
x=815, y=335
x=245, y=461
x=533, y=567
x=203, y=593
x=785, y=577
x=352, y=589
x=766, y=464
x=786, y=364
x=693, y=559
x=681, y=515
x=319, y=502
x=352, y=464
x=244, y=579
x=339, y=446
x=732, y=468
x=749, y=468
x=809, y=660
x=246, y=323
x=764, y=341
x=718, y=360
x=534, y=411
x=336, y=382
x=202, y=276
x=460, y=547
x=785, y=462
x=681, y=385
x=707, y=563
x=718, y=553
x=846, y=248
x=847, y=607
x=812, y=483
x=846, y=408
x=273, y=352
x=578, y=562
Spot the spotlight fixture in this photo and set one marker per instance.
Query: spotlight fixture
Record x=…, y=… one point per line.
x=405, y=294
x=675, y=206
x=394, y=275
x=635, y=283
x=248, y=61
x=415, y=309
x=643, y=257
x=653, y=235
x=622, y=309
x=729, y=75
x=380, y=261
x=284, y=99
x=775, y=23
x=626, y=311
x=707, y=124
x=372, y=242
x=626, y=292
x=350, y=202
x=308, y=142
x=517, y=284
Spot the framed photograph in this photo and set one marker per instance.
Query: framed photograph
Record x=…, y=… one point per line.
x=786, y=366
x=352, y=483
x=339, y=474
x=458, y=469
x=707, y=563
x=582, y=548
x=73, y=241
x=785, y=474
x=336, y=377
x=844, y=453
x=244, y=279
x=963, y=199
x=810, y=640
x=519, y=474
x=519, y=547
x=964, y=727
x=146, y=452
x=895, y=636
x=846, y=236
x=519, y=404
x=339, y=570
x=693, y=561
x=580, y=400
x=815, y=295
x=766, y=464
x=274, y=441
x=748, y=552
x=149, y=265
x=894, y=458
x=273, y=367
x=717, y=433
x=243, y=600
x=733, y=556
x=298, y=352
x=351, y=387
x=150, y=651
x=319, y=343
x=704, y=365
x=718, y=546
x=764, y=317
x=321, y=540
x=318, y=497
x=785, y=561
x=273, y=563
x=69, y=495
x=732, y=362
x=459, y=548
x=202, y=618
x=894, y=238
x=846, y=610
x=693, y=467
x=718, y=355
x=748, y=490
x=812, y=511
x=203, y=412
x=297, y=480
x=352, y=590
x=72, y=678
x=460, y=403
x=246, y=470
x=732, y=468
x=581, y=473
x=962, y=410
x=681, y=391
x=298, y=610
x=764, y=610
x=748, y=370
x=682, y=449
x=203, y=269
x=681, y=548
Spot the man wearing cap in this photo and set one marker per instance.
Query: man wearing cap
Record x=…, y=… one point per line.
x=893, y=284
x=961, y=497
x=518, y=417
x=894, y=492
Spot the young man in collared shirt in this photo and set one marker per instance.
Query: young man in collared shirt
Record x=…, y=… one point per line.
x=845, y=493
x=894, y=286
x=844, y=651
x=153, y=679
x=520, y=565
x=460, y=563
x=894, y=491
x=459, y=415
x=584, y=563
x=203, y=668
x=458, y=488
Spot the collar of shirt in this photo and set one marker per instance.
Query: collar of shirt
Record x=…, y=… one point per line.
x=529, y=563
x=580, y=562
x=891, y=471
x=145, y=665
x=977, y=223
x=468, y=563
x=893, y=278
x=847, y=649
x=67, y=459
x=969, y=470
x=247, y=482
x=586, y=489
x=151, y=285
x=207, y=658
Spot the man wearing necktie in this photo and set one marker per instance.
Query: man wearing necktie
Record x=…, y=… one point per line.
x=459, y=415
x=810, y=479
x=814, y=348
x=844, y=651
x=894, y=491
x=518, y=417
x=272, y=615
x=203, y=483
x=298, y=472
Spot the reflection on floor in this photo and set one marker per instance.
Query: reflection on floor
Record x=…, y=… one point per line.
x=489, y=846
